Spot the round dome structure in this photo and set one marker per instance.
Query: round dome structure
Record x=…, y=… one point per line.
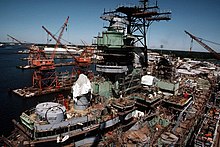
x=52, y=112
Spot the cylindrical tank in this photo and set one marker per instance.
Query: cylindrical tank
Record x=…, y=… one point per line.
x=81, y=104
x=52, y=112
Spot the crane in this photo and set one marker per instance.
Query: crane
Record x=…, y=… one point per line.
x=59, y=37
x=83, y=58
x=82, y=62
x=14, y=39
x=58, y=42
x=45, y=74
x=42, y=61
x=199, y=40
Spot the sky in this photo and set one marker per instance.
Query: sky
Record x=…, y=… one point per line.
x=24, y=19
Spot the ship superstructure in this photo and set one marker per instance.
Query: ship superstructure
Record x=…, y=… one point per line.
x=123, y=61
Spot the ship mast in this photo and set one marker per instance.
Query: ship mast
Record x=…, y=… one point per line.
x=139, y=19
x=144, y=34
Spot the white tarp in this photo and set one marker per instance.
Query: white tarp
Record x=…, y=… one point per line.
x=148, y=80
x=81, y=86
x=137, y=114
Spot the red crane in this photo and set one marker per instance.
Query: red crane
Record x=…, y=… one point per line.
x=199, y=40
x=58, y=42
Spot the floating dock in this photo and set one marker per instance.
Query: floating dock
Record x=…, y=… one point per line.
x=31, y=91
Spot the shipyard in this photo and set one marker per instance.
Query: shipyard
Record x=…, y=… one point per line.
x=116, y=91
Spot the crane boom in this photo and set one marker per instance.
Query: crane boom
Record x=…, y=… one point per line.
x=14, y=39
x=58, y=41
x=61, y=32
x=59, y=37
x=208, y=48
x=79, y=59
x=50, y=34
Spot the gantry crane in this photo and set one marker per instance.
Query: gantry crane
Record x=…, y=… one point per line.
x=208, y=48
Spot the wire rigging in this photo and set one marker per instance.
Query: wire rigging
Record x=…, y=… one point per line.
x=209, y=41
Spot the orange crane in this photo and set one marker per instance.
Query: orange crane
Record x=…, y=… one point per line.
x=42, y=61
x=59, y=37
x=58, y=42
x=45, y=75
x=199, y=40
x=83, y=61
x=85, y=56
x=36, y=55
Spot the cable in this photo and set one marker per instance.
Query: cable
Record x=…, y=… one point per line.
x=209, y=41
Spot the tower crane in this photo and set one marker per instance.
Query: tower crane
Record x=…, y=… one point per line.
x=208, y=48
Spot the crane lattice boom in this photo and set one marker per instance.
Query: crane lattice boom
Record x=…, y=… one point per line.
x=208, y=48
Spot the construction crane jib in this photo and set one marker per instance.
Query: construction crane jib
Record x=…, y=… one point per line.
x=208, y=48
x=59, y=37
